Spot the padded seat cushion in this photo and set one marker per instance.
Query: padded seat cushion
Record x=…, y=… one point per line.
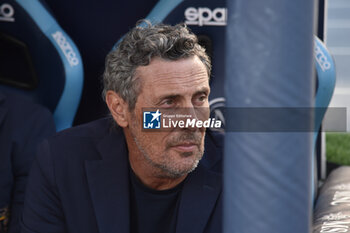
x=332, y=210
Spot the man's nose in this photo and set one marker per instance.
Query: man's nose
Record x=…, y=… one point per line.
x=189, y=110
x=194, y=113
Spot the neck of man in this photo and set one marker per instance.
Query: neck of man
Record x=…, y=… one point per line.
x=152, y=177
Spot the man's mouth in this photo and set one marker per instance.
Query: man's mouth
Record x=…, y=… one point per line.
x=185, y=147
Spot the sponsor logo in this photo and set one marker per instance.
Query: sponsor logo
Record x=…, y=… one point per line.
x=335, y=217
x=203, y=16
x=66, y=48
x=6, y=13
x=341, y=187
x=321, y=59
x=335, y=223
x=217, y=107
x=157, y=120
x=341, y=197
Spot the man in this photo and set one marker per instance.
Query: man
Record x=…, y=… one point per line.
x=111, y=175
x=23, y=125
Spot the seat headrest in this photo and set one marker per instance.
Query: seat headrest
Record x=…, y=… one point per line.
x=40, y=60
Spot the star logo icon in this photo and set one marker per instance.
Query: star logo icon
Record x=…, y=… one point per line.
x=151, y=119
x=156, y=115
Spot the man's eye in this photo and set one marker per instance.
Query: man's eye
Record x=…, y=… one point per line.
x=202, y=98
x=168, y=102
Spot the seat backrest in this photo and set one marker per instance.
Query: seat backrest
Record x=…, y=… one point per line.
x=326, y=77
x=38, y=59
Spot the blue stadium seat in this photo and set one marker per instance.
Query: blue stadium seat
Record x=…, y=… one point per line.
x=325, y=71
x=38, y=59
x=326, y=75
x=95, y=27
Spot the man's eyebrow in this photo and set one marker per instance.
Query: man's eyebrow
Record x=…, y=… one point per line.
x=168, y=96
x=174, y=96
x=205, y=90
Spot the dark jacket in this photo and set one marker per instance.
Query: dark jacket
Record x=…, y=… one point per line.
x=79, y=183
x=23, y=125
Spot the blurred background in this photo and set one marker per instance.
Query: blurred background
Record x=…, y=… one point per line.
x=338, y=42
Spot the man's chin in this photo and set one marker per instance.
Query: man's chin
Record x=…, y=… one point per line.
x=186, y=164
x=181, y=164
x=179, y=172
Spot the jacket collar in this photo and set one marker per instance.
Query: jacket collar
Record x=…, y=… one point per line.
x=109, y=184
x=108, y=181
x=199, y=196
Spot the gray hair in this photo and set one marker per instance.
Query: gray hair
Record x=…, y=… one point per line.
x=138, y=47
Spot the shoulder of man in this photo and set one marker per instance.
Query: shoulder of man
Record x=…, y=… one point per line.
x=80, y=142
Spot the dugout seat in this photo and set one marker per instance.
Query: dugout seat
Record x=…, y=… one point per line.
x=325, y=84
x=39, y=60
x=332, y=207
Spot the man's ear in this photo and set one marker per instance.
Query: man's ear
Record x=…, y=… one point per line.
x=118, y=108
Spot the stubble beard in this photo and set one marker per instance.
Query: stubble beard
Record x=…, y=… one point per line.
x=168, y=168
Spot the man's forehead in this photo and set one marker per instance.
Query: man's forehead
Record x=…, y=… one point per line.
x=159, y=66
x=178, y=92
x=187, y=71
